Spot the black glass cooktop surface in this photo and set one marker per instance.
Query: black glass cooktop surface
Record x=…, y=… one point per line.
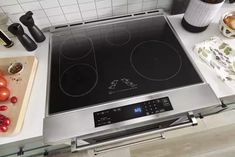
x=93, y=65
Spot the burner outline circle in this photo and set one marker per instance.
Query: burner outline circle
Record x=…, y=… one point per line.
x=85, y=93
x=80, y=57
x=154, y=79
x=117, y=44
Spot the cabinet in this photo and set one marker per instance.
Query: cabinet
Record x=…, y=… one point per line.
x=31, y=147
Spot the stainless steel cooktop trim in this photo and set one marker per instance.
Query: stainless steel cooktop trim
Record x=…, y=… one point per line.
x=113, y=19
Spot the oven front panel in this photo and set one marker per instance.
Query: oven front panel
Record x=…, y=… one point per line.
x=81, y=123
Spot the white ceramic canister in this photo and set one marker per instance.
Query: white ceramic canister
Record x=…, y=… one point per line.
x=200, y=13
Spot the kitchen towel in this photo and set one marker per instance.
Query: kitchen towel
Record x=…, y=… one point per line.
x=220, y=56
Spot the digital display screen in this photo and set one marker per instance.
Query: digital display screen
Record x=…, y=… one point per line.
x=118, y=114
x=137, y=110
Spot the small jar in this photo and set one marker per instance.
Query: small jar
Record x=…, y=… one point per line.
x=5, y=40
x=199, y=14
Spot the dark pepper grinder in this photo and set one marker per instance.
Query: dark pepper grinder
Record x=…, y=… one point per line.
x=17, y=30
x=28, y=21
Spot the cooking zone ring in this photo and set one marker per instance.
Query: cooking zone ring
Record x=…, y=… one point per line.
x=78, y=80
x=118, y=36
x=76, y=47
x=151, y=60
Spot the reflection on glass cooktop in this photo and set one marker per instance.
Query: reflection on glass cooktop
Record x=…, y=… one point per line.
x=105, y=63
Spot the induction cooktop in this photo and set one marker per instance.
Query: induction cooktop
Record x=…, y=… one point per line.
x=94, y=65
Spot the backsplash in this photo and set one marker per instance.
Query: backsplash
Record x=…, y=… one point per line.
x=55, y=12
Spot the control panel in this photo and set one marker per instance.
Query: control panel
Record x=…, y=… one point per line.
x=132, y=111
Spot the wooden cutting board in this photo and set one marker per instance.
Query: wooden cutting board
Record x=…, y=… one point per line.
x=20, y=85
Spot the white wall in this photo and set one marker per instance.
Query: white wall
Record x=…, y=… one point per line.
x=54, y=12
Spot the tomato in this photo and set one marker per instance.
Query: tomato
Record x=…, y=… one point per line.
x=13, y=99
x=4, y=93
x=3, y=108
x=6, y=122
x=3, y=81
x=3, y=128
x=2, y=117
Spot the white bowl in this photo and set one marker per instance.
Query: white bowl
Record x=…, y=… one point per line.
x=224, y=28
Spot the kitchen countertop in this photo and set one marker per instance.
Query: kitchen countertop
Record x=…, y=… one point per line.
x=190, y=39
x=33, y=124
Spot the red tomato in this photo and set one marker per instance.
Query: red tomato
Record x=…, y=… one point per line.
x=13, y=99
x=6, y=122
x=3, y=108
x=4, y=93
x=2, y=117
x=3, y=81
x=3, y=128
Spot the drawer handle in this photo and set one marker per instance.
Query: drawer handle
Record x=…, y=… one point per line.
x=192, y=121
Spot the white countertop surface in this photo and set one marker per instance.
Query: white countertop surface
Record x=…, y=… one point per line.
x=33, y=124
x=190, y=39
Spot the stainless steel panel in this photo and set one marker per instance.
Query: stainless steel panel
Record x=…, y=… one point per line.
x=80, y=123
